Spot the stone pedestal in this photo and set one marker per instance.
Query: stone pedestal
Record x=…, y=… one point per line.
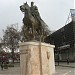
x=37, y=58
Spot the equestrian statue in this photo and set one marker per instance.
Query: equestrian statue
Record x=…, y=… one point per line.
x=34, y=27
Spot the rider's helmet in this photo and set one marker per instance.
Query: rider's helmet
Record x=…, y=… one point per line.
x=32, y=3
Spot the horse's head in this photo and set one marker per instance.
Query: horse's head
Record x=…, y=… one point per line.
x=24, y=7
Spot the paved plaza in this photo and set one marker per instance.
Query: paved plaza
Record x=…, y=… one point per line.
x=11, y=71
x=60, y=70
x=64, y=70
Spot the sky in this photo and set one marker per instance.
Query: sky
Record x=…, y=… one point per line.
x=74, y=4
x=53, y=12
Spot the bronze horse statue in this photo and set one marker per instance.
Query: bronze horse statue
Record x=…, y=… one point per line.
x=32, y=28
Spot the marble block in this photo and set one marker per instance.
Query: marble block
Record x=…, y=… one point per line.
x=37, y=58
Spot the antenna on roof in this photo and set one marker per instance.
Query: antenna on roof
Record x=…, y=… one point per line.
x=71, y=16
x=72, y=11
x=68, y=19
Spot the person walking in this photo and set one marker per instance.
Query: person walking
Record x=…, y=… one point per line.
x=68, y=61
x=2, y=66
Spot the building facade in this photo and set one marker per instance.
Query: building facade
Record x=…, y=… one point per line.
x=64, y=41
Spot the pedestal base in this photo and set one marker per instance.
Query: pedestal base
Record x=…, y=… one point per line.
x=37, y=58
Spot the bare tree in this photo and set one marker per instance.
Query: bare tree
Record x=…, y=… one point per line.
x=11, y=39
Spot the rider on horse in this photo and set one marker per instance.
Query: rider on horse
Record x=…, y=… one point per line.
x=34, y=10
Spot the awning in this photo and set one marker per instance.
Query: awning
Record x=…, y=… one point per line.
x=64, y=47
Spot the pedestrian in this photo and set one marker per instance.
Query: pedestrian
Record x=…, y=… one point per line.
x=68, y=61
x=58, y=60
x=2, y=65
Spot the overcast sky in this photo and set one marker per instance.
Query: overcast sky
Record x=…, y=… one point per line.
x=53, y=12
